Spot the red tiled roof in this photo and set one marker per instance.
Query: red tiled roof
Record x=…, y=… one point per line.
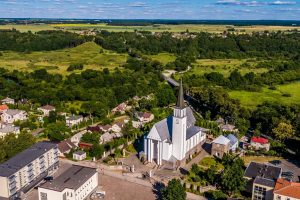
x=260, y=140
x=287, y=188
x=3, y=107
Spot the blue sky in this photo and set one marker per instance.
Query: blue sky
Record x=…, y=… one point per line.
x=154, y=9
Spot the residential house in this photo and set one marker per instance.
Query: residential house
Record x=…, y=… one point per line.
x=228, y=128
x=26, y=169
x=106, y=128
x=93, y=128
x=144, y=117
x=106, y=137
x=79, y=155
x=117, y=127
x=121, y=108
x=261, y=179
x=12, y=115
x=260, y=143
x=74, y=120
x=3, y=108
x=77, y=137
x=8, y=100
x=234, y=142
x=76, y=183
x=286, y=190
x=46, y=109
x=65, y=147
x=220, y=146
x=8, y=128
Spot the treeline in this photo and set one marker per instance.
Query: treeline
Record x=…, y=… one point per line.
x=40, y=41
x=204, y=45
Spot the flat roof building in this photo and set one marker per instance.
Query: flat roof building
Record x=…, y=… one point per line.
x=23, y=171
x=76, y=183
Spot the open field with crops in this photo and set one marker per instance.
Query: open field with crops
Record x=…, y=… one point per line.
x=58, y=61
x=152, y=28
x=252, y=99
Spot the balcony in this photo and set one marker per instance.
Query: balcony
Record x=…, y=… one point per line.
x=12, y=185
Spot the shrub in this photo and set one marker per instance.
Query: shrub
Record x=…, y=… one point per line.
x=75, y=66
x=217, y=195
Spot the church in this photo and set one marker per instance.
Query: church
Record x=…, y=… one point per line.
x=176, y=137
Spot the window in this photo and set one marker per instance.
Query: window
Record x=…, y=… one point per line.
x=259, y=193
x=278, y=197
x=43, y=196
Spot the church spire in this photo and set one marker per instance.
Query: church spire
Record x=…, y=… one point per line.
x=180, y=99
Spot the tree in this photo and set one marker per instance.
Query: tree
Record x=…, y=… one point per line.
x=57, y=131
x=174, y=191
x=92, y=138
x=283, y=131
x=232, y=180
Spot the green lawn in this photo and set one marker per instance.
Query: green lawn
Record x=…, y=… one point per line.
x=252, y=99
x=207, y=162
x=58, y=61
x=164, y=58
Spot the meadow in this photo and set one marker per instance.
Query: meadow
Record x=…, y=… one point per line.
x=152, y=28
x=225, y=66
x=90, y=54
x=252, y=99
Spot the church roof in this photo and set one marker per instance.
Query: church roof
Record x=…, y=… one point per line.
x=180, y=99
x=164, y=127
x=193, y=130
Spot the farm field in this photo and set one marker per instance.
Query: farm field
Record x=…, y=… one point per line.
x=152, y=28
x=252, y=99
x=58, y=61
x=164, y=58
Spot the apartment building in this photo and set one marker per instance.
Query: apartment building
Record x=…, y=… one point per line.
x=76, y=183
x=26, y=169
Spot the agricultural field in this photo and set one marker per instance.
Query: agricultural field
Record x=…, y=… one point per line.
x=252, y=99
x=152, y=28
x=164, y=58
x=58, y=61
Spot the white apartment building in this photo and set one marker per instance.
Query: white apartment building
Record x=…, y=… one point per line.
x=26, y=169
x=12, y=115
x=76, y=183
x=74, y=120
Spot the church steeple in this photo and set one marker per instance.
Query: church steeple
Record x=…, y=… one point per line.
x=180, y=100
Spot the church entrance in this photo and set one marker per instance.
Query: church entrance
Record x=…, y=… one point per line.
x=155, y=150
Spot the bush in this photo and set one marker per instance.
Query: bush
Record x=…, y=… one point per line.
x=75, y=66
x=286, y=95
x=216, y=195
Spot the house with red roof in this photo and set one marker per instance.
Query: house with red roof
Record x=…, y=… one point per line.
x=3, y=108
x=121, y=108
x=144, y=117
x=260, y=143
x=285, y=189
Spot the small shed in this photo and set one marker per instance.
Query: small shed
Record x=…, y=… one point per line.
x=79, y=155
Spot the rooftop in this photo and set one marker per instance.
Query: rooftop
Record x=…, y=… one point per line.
x=72, y=178
x=3, y=107
x=47, y=107
x=74, y=117
x=22, y=159
x=9, y=129
x=79, y=152
x=287, y=188
x=260, y=140
x=264, y=181
x=221, y=140
x=13, y=111
x=262, y=170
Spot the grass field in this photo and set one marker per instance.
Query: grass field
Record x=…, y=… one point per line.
x=224, y=66
x=259, y=159
x=58, y=61
x=164, y=58
x=153, y=28
x=252, y=99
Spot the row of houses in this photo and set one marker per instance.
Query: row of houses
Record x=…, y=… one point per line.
x=30, y=167
x=226, y=144
x=265, y=181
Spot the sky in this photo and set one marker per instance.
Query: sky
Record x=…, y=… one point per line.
x=153, y=9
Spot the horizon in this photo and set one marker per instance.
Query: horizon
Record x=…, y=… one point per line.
x=152, y=10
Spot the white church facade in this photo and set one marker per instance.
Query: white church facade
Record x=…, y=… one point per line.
x=175, y=138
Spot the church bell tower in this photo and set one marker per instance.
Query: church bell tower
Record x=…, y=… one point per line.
x=179, y=126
